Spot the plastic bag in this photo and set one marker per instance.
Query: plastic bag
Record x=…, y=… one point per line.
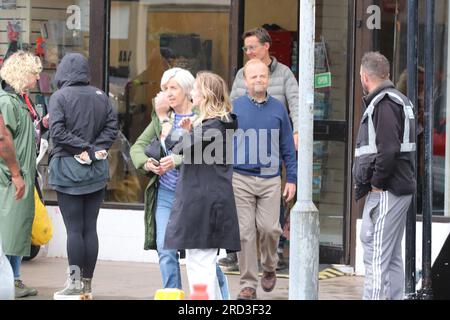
x=6, y=277
x=42, y=230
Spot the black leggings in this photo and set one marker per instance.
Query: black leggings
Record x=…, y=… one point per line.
x=80, y=215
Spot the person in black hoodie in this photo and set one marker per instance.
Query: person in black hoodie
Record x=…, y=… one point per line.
x=384, y=171
x=83, y=126
x=204, y=218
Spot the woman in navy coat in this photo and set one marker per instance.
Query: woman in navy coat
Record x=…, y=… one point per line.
x=204, y=218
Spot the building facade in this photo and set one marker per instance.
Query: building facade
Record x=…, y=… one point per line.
x=131, y=43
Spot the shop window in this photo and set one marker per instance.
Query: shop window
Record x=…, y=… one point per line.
x=50, y=29
x=393, y=43
x=147, y=38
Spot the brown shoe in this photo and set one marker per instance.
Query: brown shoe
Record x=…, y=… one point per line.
x=268, y=281
x=247, y=294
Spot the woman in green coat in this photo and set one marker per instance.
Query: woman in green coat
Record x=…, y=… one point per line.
x=176, y=84
x=19, y=74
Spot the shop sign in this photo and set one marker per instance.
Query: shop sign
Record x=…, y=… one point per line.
x=322, y=80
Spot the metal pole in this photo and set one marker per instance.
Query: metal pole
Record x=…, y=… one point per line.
x=426, y=291
x=410, y=237
x=304, y=241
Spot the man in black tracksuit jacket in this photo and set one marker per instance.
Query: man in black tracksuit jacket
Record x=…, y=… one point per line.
x=384, y=171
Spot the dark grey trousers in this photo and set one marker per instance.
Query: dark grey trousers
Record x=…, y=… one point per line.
x=382, y=229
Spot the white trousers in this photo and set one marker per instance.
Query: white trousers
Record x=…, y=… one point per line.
x=201, y=269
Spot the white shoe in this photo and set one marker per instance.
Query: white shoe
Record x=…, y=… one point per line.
x=72, y=291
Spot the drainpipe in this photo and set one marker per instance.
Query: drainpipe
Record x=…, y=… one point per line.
x=410, y=237
x=426, y=292
x=304, y=240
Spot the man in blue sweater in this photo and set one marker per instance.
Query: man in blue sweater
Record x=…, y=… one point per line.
x=262, y=142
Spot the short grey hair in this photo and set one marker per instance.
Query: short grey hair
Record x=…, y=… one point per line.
x=183, y=77
x=376, y=65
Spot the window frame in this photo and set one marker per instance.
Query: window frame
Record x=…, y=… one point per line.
x=99, y=48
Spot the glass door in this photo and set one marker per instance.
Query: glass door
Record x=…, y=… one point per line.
x=331, y=105
x=331, y=126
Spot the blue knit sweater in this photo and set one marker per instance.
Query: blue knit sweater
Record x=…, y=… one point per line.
x=264, y=139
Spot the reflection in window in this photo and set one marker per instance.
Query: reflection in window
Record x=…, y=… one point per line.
x=49, y=29
x=147, y=38
x=394, y=46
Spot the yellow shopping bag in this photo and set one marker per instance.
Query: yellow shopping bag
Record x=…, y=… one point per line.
x=42, y=230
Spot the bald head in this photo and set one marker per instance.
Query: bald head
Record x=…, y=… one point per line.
x=254, y=62
x=256, y=76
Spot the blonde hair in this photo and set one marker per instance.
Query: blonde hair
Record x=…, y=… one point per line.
x=216, y=101
x=18, y=67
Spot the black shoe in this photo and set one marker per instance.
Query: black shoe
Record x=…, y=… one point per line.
x=281, y=263
x=229, y=261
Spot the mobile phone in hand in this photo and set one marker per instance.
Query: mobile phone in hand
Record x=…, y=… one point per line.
x=155, y=162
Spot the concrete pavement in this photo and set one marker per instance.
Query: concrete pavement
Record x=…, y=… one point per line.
x=139, y=281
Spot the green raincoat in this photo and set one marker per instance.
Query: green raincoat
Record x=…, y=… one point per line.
x=16, y=217
x=139, y=159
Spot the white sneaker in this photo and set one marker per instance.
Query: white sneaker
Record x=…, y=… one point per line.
x=72, y=291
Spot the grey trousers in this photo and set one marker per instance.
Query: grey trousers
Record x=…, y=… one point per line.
x=382, y=229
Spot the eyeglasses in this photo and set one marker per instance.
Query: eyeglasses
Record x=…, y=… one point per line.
x=250, y=48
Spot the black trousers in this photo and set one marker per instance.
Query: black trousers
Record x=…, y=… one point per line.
x=80, y=215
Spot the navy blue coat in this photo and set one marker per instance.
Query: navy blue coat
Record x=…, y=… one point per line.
x=204, y=213
x=81, y=116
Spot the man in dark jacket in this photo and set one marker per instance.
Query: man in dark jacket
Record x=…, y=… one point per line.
x=384, y=171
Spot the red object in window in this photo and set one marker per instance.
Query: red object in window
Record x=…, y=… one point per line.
x=390, y=5
x=13, y=31
x=281, y=47
x=40, y=52
x=438, y=143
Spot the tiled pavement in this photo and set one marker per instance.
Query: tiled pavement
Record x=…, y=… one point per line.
x=139, y=281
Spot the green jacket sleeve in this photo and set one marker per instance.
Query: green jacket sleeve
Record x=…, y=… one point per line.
x=8, y=109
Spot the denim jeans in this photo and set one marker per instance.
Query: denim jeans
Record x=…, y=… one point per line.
x=15, y=262
x=223, y=283
x=168, y=259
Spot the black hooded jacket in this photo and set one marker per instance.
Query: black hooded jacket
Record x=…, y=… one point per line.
x=81, y=117
x=204, y=213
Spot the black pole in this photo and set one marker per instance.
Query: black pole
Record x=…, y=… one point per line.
x=427, y=210
x=410, y=237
